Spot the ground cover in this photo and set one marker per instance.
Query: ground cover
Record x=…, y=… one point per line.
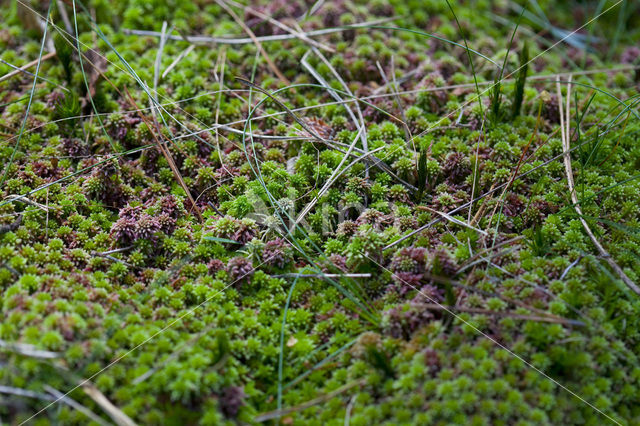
x=331, y=212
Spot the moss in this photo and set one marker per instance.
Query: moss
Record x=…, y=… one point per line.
x=110, y=253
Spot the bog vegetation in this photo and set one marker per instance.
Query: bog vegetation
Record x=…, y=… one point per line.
x=332, y=212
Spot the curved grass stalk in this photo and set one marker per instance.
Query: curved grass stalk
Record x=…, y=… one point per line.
x=31, y=94
x=347, y=292
x=86, y=83
x=574, y=197
x=281, y=354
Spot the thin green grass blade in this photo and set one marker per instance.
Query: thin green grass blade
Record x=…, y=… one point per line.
x=31, y=94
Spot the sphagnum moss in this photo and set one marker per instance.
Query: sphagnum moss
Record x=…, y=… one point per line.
x=104, y=252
